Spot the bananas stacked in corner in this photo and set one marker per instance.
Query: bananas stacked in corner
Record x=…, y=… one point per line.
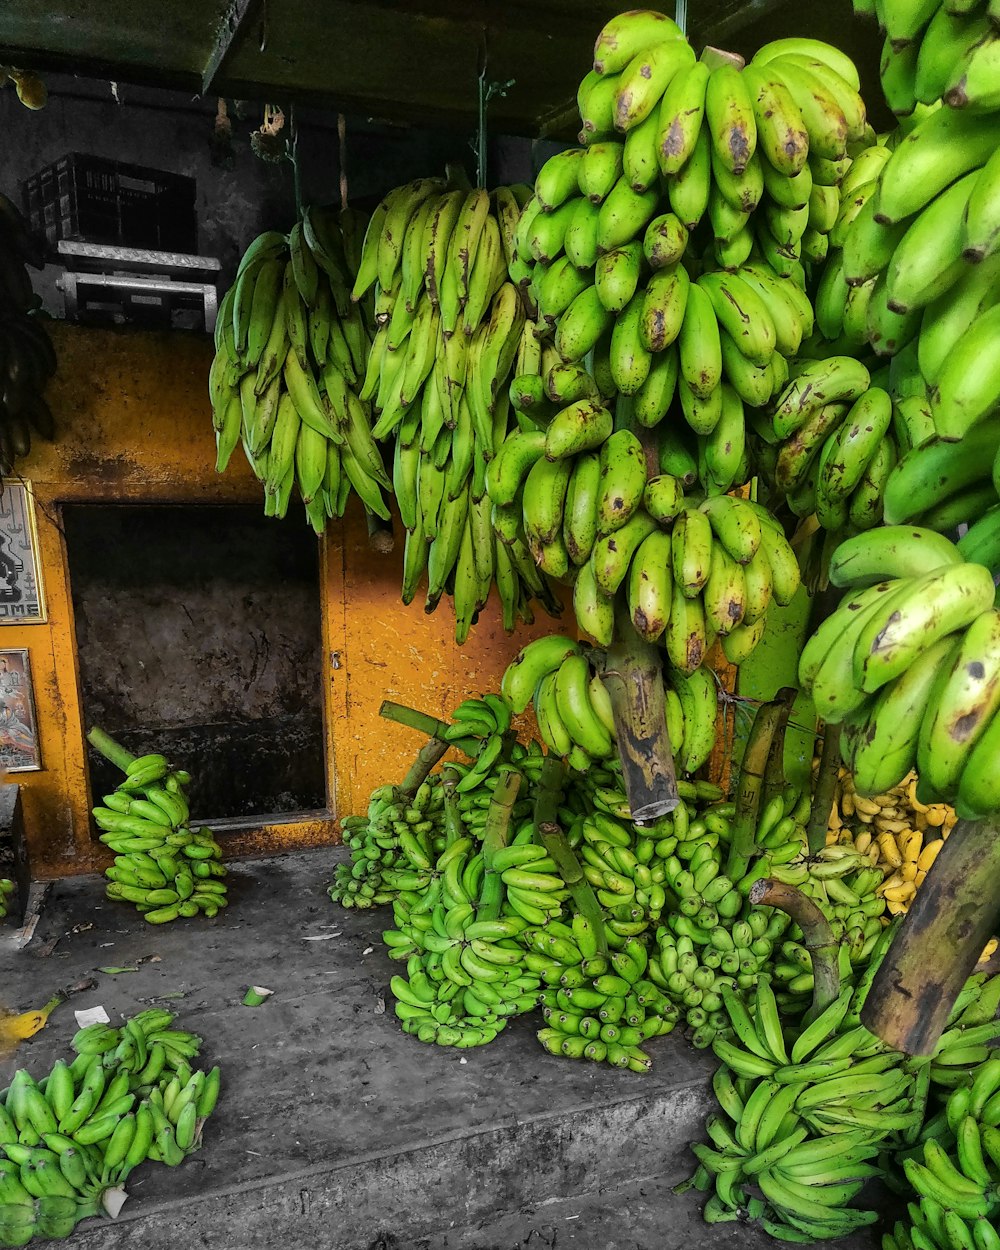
x=803, y=1114
x=7, y=888
x=163, y=866
x=896, y=832
x=908, y=663
x=449, y=327
x=27, y=359
x=291, y=349
x=69, y=1139
x=573, y=708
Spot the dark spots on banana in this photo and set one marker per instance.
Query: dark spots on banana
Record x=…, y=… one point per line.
x=640, y=620
x=618, y=504
x=976, y=670
x=646, y=71
x=964, y=726
x=612, y=545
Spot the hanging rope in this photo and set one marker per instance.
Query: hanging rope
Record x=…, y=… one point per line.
x=487, y=90
x=681, y=15
x=342, y=152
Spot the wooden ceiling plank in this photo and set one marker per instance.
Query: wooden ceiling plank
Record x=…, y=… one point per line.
x=236, y=20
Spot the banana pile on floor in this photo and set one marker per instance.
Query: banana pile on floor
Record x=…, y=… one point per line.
x=562, y=683
x=807, y=1114
x=291, y=350
x=908, y=663
x=28, y=357
x=450, y=328
x=69, y=1142
x=7, y=888
x=162, y=865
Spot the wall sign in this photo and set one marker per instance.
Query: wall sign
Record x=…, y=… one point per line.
x=21, y=598
x=19, y=751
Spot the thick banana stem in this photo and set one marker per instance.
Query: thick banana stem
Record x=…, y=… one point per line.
x=774, y=772
x=817, y=936
x=748, y=790
x=948, y=924
x=454, y=826
x=113, y=751
x=826, y=785
x=633, y=675
x=494, y=838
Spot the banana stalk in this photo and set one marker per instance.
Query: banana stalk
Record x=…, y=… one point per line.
x=112, y=751
x=817, y=937
x=951, y=918
x=430, y=753
x=826, y=785
x=633, y=675
x=774, y=772
x=495, y=838
x=748, y=791
x=454, y=826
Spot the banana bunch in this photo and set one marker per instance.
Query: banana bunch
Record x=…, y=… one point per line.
x=27, y=359
x=381, y=843
x=7, y=888
x=937, y=52
x=695, y=975
x=291, y=351
x=802, y=1115
x=450, y=328
x=895, y=831
x=753, y=148
x=575, y=720
x=606, y=1017
x=163, y=866
x=465, y=967
x=953, y=1170
x=829, y=447
x=69, y=1142
x=911, y=652
x=712, y=576
x=941, y=485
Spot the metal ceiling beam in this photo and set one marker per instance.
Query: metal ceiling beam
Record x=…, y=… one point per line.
x=235, y=21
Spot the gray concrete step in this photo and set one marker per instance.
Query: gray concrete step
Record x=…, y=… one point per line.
x=334, y=1127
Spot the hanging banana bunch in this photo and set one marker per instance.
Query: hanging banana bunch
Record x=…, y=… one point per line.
x=291, y=349
x=27, y=359
x=450, y=328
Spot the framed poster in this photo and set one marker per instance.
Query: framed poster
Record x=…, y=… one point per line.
x=21, y=598
x=19, y=751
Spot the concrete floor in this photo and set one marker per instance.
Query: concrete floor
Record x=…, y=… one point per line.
x=337, y=1128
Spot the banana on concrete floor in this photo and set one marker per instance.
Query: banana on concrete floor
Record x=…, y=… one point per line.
x=165, y=868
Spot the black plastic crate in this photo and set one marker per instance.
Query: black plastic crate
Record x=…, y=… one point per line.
x=93, y=200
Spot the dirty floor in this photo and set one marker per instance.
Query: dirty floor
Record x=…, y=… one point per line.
x=337, y=1128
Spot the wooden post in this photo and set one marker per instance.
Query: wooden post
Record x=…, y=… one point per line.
x=633, y=675
x=949, y=922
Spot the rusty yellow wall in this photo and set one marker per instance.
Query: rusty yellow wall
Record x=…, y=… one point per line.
x=133, y=426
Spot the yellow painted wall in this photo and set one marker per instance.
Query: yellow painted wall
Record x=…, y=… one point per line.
x=134, y=426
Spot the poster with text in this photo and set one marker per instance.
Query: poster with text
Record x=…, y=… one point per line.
x=21, y=601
